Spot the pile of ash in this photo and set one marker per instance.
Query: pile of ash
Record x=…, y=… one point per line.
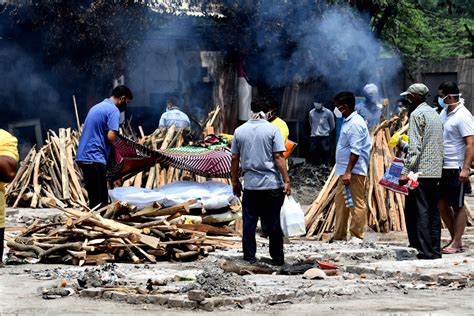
x=307, y=180
x=216, y=282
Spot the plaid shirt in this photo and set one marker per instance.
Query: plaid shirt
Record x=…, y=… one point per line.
x=425, y=143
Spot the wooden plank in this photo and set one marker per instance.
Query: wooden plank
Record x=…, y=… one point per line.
x=63, y=164
x=165, y=211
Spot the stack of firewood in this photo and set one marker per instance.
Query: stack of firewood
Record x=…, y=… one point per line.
x=84, y=236
x=50, y=175
x=385, y=208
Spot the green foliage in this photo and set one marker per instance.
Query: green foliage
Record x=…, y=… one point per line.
x=429, y=30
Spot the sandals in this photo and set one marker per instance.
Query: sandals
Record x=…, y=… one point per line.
x=451, y=250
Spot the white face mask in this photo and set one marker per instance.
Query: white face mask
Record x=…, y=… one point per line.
x=337, y=113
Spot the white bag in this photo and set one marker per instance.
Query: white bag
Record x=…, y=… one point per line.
x=292, y=218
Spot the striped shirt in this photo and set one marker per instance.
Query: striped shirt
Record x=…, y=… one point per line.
x=425, y=143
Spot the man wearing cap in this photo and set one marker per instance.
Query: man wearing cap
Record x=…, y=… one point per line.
x=458, y=154
x=424, y=156
x=370, y=109
x=322, y=124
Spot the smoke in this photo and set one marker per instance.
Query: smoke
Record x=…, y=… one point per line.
x=167, y=63
x=336, y=47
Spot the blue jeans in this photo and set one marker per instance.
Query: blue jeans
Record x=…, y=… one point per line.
x=266, y=205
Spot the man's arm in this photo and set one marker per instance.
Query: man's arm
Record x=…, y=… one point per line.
x=414, y=145
x=112, y=136
x=346, y=177
x=468, y=155
x=332, y=123
x=234, y=169
x=8, y=169
x=281, y=166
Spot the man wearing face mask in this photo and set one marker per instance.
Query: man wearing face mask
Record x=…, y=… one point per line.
x=371, y=108
x=352, y=159
x=322, y=124
x=458, y=154
x=258, y=147
x=99, y=132
x=424, y=156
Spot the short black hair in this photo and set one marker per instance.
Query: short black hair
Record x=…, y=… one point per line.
x=262, y=104
x=122, y=91
x=347, y=98
x=449, y=87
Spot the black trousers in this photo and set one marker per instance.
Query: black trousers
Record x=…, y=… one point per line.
x=2, y=237
x=266, y=205
x=423, y=220
x=320, y=150
x=95, y=180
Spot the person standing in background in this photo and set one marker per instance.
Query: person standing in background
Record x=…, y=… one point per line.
x=322, y=123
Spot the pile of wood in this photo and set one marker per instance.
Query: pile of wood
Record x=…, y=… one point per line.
x=385, y=208
x=49, y=176
x=84, y=236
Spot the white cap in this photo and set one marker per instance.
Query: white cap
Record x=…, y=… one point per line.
x=371, y=89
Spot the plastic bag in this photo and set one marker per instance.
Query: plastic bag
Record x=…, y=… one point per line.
x=292, y=218
x=390, y=179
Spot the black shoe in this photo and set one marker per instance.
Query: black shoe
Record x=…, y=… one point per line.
x=279, y=262
x=251, y=260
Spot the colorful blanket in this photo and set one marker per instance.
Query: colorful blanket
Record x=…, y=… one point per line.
x=128, y=157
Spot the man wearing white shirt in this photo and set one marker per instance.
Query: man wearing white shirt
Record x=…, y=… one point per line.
x=458, y=153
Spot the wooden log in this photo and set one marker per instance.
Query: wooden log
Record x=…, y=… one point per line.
x=63, y=164
x=36, y=185
x=165, y=211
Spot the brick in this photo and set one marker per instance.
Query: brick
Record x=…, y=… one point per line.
x=197, y=295
x=94, y=292
x=119, y=296
x=107, y=295
x=175, y=302
x=190, y=304
x=157, y=299
x=136, y=299
x=448, y=279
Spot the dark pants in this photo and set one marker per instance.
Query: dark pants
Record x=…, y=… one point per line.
x=95, y=179
x=423, y=220
x=320, y=150
x=266, y=205
x=2, y=237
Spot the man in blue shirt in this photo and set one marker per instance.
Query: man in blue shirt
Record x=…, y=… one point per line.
x=352, y=159
x=99, y=132
x=174, y=116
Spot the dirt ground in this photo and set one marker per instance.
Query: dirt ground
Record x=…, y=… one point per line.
x=382, y=278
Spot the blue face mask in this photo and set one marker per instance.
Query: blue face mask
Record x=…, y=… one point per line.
x=441, y=103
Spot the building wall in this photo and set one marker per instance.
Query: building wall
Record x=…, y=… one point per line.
x=459, y=69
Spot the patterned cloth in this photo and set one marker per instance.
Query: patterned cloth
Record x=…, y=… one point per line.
x=425, y=143
x=130, y=157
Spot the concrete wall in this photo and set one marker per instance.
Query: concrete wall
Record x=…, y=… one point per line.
x=459, y=69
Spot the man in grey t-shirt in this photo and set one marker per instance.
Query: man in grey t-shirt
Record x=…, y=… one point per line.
x=258, y=146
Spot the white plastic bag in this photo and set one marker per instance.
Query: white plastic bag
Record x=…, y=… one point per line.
x=292, y=218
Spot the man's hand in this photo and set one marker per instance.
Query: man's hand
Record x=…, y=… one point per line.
x=346, y=178
x=118, y=183
x=287, y=188
x=237, y=188
x=464, y=175
x=403, y=180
